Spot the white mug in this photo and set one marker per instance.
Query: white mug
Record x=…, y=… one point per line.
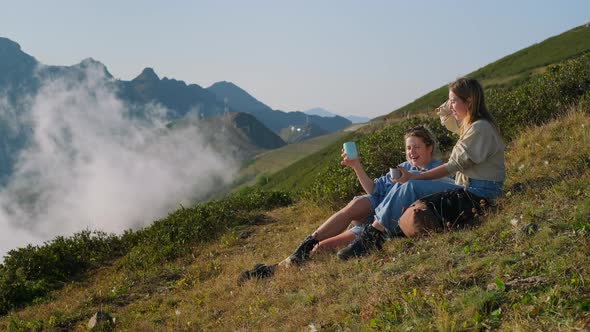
x=395, y=173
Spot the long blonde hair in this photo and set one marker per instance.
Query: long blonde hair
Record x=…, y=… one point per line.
x=471, y=93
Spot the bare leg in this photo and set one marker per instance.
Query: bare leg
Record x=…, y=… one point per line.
x=377, y=225
x=339, y=241
x=357, y=209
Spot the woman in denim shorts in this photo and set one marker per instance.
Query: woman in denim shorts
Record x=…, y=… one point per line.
x=476, y=162
x=333, y=233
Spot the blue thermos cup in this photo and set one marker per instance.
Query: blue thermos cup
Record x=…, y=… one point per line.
x=350, y=150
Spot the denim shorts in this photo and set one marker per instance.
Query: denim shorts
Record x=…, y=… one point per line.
x=377, y=198
x=484, y=188
x=357, y=230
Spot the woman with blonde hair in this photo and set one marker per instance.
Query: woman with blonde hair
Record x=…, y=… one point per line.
x=476, y=162
x=333, y=233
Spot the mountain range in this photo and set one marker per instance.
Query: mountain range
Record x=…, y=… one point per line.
x=21, y=75
x=325, y=113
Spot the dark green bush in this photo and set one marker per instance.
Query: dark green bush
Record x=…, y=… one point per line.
x=30, y=273
x=542, y=98
x=176, y=234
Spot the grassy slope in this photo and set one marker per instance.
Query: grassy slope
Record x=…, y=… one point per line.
x=520, y=64
x=274, y=160
x=296, y=175
x=493, y=276
x=511, y=69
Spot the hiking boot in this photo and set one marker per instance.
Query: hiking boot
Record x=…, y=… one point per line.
x=302, y=252
x=260, y=271
x=369, y=240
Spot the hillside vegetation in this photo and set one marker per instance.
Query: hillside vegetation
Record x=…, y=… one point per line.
x=525, y=267
x=499, y=275
x=533, y=102
x=258, y=169
x=511, y=70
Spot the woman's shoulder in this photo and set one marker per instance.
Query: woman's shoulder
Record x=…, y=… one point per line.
x=481, y=124
x=478, y=128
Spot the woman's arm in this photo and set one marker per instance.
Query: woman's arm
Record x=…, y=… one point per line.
x=435, y=173
x=366, y=182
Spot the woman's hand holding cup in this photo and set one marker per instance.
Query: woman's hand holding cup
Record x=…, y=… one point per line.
x=404, y=177
x=395, y=173
x=350, y=155
x=349, y=162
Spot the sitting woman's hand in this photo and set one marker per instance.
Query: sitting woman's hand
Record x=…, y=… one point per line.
x=350, y=163
x=406, y=176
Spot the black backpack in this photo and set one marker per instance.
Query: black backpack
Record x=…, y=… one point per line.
x=445, y=210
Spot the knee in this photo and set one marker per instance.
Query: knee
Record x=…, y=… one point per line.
x=346, y=211
x=353, y=205
x=350, y=204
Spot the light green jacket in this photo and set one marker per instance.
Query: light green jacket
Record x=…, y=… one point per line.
x=479, y=152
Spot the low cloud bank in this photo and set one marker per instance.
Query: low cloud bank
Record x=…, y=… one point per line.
x=92, y=166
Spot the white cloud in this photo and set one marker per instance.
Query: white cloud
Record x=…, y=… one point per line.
x=92, y=167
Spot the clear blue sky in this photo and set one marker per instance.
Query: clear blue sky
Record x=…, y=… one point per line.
x=364, y=58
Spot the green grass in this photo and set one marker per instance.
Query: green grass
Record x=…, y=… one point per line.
x=261, y=166
x=492, y=277
x=302, y=173
x=511, y=70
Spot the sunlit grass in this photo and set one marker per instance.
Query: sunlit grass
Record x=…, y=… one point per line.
x=491, y=277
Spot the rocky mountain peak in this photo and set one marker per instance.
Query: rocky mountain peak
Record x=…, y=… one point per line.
x=148, y=74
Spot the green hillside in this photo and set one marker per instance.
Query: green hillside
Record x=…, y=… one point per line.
x=491, y=277
x=259, y=168
x=506, y=274
x=510, y=70
x=532, y=101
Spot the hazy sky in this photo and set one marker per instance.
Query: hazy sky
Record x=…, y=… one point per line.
x=365, y=58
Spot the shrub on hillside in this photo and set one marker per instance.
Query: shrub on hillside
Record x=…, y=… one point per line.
x=176, y=234
x=542, y=98
x=30, y=273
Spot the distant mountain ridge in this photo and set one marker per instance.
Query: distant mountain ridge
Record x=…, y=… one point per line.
x=325, y=113
x=21, y=75
x=177, y=96
x=275, y=120
x=240, y=135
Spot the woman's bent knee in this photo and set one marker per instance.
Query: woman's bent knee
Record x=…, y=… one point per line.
x=358, y=208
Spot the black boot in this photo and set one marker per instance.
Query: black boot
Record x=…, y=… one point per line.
x=301, y=254
x=369, y=240
x=260, y=271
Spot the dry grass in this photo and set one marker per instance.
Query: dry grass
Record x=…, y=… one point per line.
x=490, y=277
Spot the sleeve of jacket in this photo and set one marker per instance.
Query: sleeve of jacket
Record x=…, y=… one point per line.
x=447, y=119
x=472, y=148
